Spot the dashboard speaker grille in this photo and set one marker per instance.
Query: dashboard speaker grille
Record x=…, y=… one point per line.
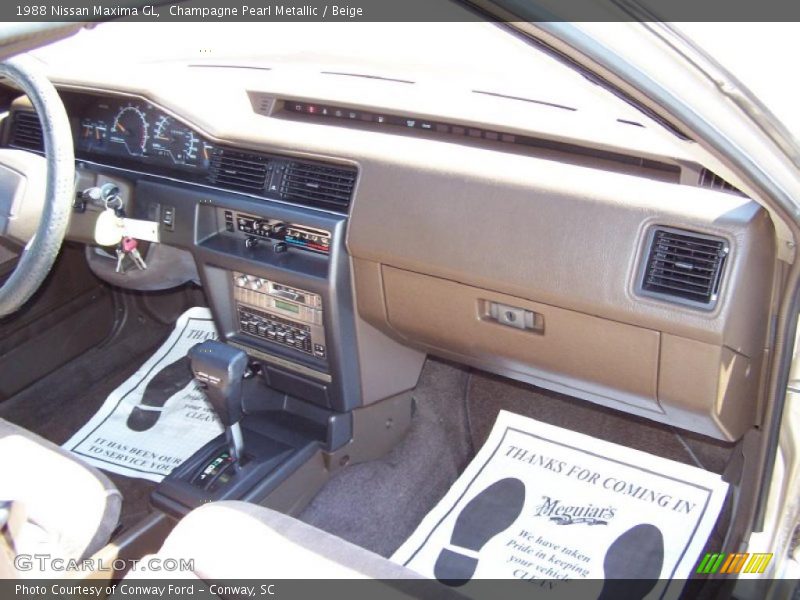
x=684, y=266
x=26, y=131
x=318, y=185
x=239, y=170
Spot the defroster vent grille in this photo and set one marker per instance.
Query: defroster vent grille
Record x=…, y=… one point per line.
x=709, y=179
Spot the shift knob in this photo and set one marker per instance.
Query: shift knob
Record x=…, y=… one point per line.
x=220, y=369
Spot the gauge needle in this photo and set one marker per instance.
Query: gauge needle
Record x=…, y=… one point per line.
x=205, y=153
x=121, y=128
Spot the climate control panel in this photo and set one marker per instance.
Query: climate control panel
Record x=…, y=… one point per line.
x=264, y=228
x=280, y=314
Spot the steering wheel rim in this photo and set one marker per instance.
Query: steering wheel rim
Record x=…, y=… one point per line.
x=40, y=252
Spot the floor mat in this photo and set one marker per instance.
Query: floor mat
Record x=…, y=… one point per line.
x=489, y=394
x=157, y=418
x=541, y=502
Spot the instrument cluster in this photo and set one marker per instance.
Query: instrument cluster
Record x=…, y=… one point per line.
x=135, y=129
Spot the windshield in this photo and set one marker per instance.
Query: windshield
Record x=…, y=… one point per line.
x=471, y=56
x=758, y=64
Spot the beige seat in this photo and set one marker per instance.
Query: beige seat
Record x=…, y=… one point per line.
x=237, y=540
x=61, y=507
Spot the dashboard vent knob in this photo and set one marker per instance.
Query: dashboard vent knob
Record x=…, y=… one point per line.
x=684, y=267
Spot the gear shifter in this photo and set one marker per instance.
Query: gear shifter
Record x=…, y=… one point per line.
x=220, y=368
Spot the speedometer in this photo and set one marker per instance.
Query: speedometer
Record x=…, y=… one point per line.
x=130, y=129
x=176, y=142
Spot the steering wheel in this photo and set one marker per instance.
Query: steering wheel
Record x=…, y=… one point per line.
x=36, y=193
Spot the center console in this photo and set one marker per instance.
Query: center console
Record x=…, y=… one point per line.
x=324, y=389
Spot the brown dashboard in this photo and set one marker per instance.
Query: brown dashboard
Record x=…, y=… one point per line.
x=551, y=264
x=455, y=258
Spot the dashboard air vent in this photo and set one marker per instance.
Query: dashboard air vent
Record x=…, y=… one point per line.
x=318, y=185
x=26, y=131
x=239, y=170
x=684, y=266
x=709, y=179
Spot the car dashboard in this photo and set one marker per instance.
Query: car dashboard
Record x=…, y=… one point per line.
x=341, y=236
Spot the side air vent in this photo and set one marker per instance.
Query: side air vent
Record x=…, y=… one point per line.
x=318, y=185
x=684, y=267
x=239, y=170
x=709, y=179
x=26, y=131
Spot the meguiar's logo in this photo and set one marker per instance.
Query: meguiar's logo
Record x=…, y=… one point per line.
x=572, y=514
x=734, y=563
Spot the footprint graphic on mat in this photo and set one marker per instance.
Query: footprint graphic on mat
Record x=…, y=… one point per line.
x=633, y=564
x=492, y=511
x=164, y=384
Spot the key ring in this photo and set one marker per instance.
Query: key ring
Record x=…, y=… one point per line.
x=116, y=199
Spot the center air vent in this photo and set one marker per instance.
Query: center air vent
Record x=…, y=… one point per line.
x=239, y=170
x=26, y=131
x=318, y=185
x=684, y=267
x=313, y=184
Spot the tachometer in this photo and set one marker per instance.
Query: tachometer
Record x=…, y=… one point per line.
x=131, y=129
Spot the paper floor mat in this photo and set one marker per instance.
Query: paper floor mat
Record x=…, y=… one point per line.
x=543, y=503
x=157, y=418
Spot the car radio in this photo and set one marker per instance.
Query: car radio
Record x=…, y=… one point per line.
x=292, y=234
x=280, y=314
